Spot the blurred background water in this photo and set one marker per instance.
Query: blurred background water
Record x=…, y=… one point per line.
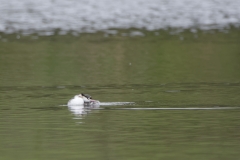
x=177, y=62
x=44, y=16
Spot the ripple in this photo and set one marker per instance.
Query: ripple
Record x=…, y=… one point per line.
x=187, y=108
x=116, y=103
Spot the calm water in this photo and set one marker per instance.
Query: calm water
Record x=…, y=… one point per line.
x=194, y=77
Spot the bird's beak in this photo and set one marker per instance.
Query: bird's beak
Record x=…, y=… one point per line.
x=93, y=100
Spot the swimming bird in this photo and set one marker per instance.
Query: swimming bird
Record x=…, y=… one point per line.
x=82, y=99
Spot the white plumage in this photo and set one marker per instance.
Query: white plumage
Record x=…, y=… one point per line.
x=81, y=100
x=76, y=101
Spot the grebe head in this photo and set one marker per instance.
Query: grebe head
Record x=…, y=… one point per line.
x=86, y=95
x=87, y=98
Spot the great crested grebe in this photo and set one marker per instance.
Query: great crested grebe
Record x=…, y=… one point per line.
x=82, y=99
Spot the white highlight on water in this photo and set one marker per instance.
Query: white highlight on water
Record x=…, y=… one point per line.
x=44, y=16
x=195, y=108
x=115, y=103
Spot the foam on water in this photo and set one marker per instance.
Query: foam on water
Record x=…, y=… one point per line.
x=44, y=16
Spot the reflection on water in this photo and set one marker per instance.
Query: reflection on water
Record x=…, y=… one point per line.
x=177, y=99
x=78, y=110
x=82, y=110
x=37, y=123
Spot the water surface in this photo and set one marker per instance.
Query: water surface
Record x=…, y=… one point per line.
x=80, y=16
x=185, y=94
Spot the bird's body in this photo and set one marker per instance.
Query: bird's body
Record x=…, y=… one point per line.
x=76, y=101
x=81, y=100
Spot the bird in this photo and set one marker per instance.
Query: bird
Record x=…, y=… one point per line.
x=81, y=100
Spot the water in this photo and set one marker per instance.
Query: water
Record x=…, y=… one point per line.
x=162, y=96
x=45, y=16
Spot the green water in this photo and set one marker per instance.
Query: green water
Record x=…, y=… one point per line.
x=38, y=75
